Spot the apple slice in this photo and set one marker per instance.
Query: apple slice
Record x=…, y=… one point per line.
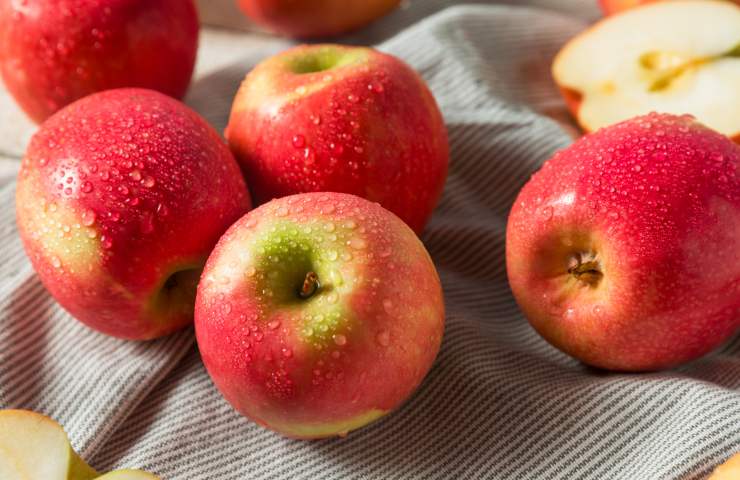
x=27, y=438
x=671, y=57
x=128, y=475
x=730, y=470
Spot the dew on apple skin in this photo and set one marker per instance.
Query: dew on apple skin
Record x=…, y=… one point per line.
x=358, y=243
x=88, y=218
x=56, y=262
x=383, y=338
x=340, y=339
x=299, y=141
x=273, y=325
x=287, y=352
x=388, y=306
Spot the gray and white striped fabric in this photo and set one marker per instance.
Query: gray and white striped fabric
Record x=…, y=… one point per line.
x=500, y=403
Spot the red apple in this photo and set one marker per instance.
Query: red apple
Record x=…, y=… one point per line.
x=318, y=313
x=342, y=119
x=610, y=7
x=624, y=249
x=53, y=52
x=317, y=18
x=121, y=197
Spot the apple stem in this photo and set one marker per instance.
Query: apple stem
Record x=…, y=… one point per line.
x=310, y=285
x=587, y=272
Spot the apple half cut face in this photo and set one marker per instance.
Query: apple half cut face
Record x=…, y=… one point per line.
x=672, y=57
x=35, y=447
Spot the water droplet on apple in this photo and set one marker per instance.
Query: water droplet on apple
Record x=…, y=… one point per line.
x=388, y=306
x=135, y=174
x=335, y=354
x=106, y=242
x=299, y=141
x=358, y=243
x=88, y=218
x=332, y=297
x=614, y=215
x=287, y=352
x=383, y=338
x=227, y=307
x=350, y=224
x=87, y=187
x=346, y=256
x=56, y=262
x=340, y=339
x=273, y=324
x=148, y=182
x=332, y=255
x=282, y=211
x=546, y=213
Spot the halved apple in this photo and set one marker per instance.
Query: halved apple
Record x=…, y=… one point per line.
x=35, y=447
x=673, y=57
x=730, y=470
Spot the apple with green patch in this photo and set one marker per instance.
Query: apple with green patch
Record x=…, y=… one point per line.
x=318, y=313
x=35, y=447
x=53, y=52
x=624, y=249
x=317, y=18
x=341, y=119
x=120, y=198
x=654, y=58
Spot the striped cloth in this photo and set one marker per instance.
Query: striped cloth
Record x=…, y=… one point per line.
x=500, y=403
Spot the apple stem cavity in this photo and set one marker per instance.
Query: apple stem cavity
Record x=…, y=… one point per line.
x=669, y=66
x=310, y=286
x=586, y=270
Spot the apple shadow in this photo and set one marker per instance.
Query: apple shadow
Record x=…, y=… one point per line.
x=25, y=323
x=212, y=95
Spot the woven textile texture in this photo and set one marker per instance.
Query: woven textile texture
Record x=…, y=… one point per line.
x=499, y=403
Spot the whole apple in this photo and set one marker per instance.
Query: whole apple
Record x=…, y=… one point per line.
x=121, y=197
x=53, y=52
x=318, y=313
x=624, y=249
x=317, y=18
x=341, y=119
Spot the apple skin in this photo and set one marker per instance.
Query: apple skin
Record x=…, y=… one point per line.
x=656, y=201
x=610, y=7
x=317, y=18
x=365, y=124
x=117, y=192
x=53, y=52
x=336, y=361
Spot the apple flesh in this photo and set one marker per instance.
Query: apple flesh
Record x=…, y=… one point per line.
x=120, y=198
x=318, y=313
x=341, y=119
x=53, y=52
x=35, y=447
x=317, y=18
x=730, y=470
x=624, y=249
x=668, y=65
